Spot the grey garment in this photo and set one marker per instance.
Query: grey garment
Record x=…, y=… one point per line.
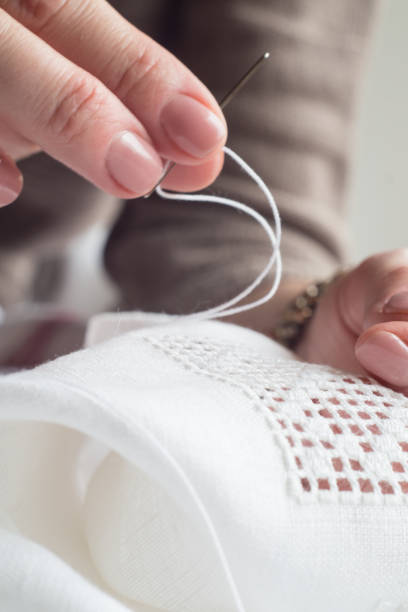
x=292, y=124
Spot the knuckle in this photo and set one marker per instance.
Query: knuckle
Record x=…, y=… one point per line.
x=5, y=31
x=137, y=74
x=77, y=104
x=370, y=266
x=372, y=261
x=386, y=262
x=402, y=254
x=396, y=276
x=34, y=13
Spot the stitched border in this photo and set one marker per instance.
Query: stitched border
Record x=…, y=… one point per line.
x=344, y=438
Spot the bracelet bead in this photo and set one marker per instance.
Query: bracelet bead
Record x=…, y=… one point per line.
x=292, y=324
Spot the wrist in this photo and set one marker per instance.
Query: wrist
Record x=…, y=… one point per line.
x=292, y=327
x=263, y=319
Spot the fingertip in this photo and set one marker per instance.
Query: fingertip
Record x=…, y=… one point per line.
x=133, y=164
x=11, y=180
x=383, y=351
x=192, y=128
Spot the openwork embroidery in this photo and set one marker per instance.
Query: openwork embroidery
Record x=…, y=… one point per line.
x=345, y=438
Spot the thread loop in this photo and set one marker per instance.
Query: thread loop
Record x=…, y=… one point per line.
x=229, y=307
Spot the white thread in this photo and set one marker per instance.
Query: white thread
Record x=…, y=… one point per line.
x=226, y=309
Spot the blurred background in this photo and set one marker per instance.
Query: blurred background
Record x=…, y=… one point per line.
x=378, y=192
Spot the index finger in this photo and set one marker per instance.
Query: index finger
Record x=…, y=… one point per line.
x=71, y=115
x=181, y=116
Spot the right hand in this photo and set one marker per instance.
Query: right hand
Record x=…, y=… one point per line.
x=82, y=84
x=361, y=322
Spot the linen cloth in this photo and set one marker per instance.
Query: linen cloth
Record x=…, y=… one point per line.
x=199, y=467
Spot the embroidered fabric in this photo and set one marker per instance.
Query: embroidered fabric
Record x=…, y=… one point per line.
x=223, y=425
x=344, y=437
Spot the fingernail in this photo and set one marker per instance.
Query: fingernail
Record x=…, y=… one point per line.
x=397, y=303
x=10, y=180
x=192, y=126
x=133, y=163
x=386, y=356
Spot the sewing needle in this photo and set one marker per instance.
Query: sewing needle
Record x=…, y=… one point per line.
x=224, y=102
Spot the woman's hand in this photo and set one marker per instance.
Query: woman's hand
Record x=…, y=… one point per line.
x=80, y=83
x=361, y=323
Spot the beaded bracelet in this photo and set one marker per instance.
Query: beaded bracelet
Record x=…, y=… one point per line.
x=289, y=329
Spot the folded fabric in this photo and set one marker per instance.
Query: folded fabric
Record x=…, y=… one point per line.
x=199, y=467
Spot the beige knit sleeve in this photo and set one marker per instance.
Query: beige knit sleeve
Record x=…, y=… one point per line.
x=292, y=123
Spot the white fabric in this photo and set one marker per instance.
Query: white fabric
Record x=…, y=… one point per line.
x=199, y=468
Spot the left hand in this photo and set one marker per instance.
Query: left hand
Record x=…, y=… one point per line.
x=361, y=322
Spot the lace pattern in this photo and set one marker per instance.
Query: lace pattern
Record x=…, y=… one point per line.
x=344, y=438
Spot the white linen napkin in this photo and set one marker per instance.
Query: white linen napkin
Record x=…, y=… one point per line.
x=199, y=467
